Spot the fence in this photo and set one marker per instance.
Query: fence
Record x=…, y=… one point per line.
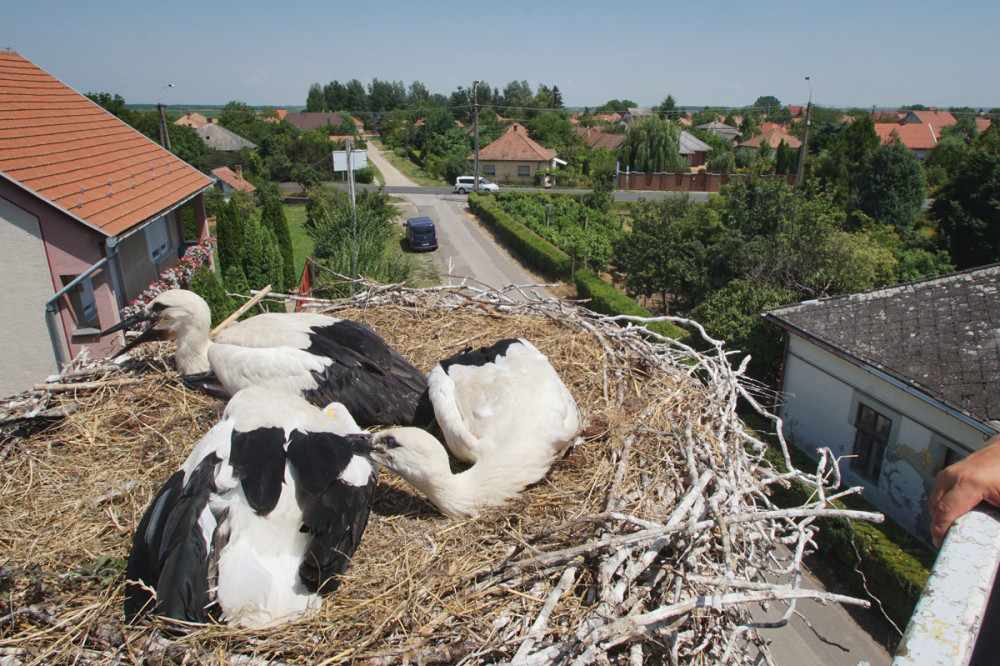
x=670, y=181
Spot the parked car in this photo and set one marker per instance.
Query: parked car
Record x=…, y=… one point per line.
x=421, y=234
x=463, y=184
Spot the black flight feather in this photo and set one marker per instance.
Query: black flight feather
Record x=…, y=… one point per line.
x=258, y=460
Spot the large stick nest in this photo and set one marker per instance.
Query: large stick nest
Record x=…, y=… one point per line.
x=644, y=544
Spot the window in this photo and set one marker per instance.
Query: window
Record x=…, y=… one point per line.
x=83, y=307
x=870, y=442
x=523, y=169
x=490, y=169
x=157, y=240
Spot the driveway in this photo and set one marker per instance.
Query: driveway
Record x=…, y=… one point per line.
x=464, y=249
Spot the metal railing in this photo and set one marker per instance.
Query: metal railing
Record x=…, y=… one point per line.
x=945, y=627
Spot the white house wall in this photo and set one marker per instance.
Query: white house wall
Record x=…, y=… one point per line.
x=820, y=394
x=26, y=355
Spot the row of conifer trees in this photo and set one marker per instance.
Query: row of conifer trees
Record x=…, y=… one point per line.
x=254, y=250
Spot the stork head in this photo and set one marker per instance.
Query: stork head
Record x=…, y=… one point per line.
x=173, y=314
x=414, y=454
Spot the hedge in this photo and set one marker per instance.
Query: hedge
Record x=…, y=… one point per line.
x=895, y=564
x=550, y=260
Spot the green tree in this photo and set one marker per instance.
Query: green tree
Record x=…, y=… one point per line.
x=330, y=222
x=733, y=314
x=236, y=280
x=652, y=145
x=273, y=218
x=206, y=284
x=668, y=109
x=766, y=104
x=315, y=100
x=230, y=230
x=967, y=207
x=890, y=188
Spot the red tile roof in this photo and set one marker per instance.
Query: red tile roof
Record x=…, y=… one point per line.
x=982, y=124
x=69, y=151
x=234, y=180
x=773, y=137
x=595, y=138
x=193, y=120
x=915, y=136
x=936, y=119
x=515, y=145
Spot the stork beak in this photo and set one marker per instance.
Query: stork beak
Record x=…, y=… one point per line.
x=131, y=322
x=147, y=335
x=362, y=443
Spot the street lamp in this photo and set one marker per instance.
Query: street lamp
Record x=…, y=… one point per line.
x=475, y=120
x=799, y=172
x=164, y=136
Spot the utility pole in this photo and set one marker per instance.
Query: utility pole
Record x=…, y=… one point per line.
x=805, y=137
x=164, y=135
x=475, y=122
x=354, y=212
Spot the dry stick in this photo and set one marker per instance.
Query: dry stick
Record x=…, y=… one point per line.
x=87, y=386
x=538, y=627
x=239, y=312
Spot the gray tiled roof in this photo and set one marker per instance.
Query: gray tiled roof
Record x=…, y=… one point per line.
x=220, y=138
x=940, y=335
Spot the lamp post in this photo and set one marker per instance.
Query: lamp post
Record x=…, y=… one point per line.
x=805, y=136
x=475, y=121
x=164, y=136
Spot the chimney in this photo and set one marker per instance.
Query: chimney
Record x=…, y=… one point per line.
x=239, y=172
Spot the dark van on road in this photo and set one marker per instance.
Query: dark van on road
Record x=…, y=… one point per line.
x=421, y=234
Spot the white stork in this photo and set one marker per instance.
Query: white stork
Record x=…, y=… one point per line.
x=321, y=358
x=502, y=408
x=505, y=396
x=259, y=521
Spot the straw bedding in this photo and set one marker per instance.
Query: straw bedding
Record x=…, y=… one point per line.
x=642, y=545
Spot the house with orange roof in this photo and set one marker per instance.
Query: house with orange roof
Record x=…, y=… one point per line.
x=515, y=157
x=933, y=118
x=773, y=138
x=594, y=137
x=230, y=181
x=919, y=138
x=90, y=215
x=192, y=120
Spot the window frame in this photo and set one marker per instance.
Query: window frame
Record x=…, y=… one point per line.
x=870, y=442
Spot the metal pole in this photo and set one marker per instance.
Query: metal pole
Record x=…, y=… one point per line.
x=475, y=121
x=164, y=135
x=799, y=173
x=354, y=212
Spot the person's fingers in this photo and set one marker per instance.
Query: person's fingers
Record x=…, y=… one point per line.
x=957, y=501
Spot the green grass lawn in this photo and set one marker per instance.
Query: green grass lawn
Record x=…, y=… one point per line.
x=302, y=242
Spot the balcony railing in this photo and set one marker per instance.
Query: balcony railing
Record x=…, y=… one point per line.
x=958, y=599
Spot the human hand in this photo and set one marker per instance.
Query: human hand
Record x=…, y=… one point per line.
x=962, y=486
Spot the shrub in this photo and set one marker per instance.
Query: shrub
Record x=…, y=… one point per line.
x=206, y=284
x=550, y=260
x=365, y=175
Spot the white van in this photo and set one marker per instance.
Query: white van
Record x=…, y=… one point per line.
x=463, y=184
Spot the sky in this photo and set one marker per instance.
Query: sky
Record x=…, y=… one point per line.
x=726, y=53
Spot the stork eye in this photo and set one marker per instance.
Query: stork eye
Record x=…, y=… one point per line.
x=158, y=307
x=390, y=442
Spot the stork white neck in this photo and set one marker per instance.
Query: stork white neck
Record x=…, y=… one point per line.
x=192, y=349
x=423, y=462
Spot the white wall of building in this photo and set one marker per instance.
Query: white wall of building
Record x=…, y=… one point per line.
x=26, y=356
x=820, y=398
